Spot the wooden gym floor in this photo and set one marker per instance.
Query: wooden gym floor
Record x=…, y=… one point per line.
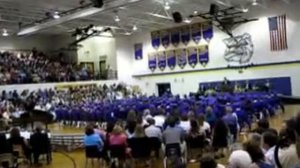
x=65, y=160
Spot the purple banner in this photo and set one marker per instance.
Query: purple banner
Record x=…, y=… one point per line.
x=152, y=62
x=165, y=38
x=138, y=51
x=185, y=34
x=196, y=32
x=181, y=57
x=207, y=30
x=192, y=56
x=203, y=54
x=171, y=59
x=155, y=39
x=162, y=60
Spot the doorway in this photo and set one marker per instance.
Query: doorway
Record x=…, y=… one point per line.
x=163, y=88
x=102, y=69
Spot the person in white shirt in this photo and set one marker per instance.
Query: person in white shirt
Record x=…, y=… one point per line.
x=185, y=124
x=269, y=140
x=160, y=119
x=204, y=126
x=152, y=131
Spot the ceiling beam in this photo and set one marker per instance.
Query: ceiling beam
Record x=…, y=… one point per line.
x=80, y=14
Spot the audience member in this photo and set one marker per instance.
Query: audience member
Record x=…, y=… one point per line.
x=257, y=156
x=5, y=146
x=269, y=140
x=152, y=131
x=239, y=158
x=92, y=139
x=17, y=140
x=220, y=138
x=139, y=132
x=208, y=161
x=232, y=122
x=40, y=144
x=117, y=137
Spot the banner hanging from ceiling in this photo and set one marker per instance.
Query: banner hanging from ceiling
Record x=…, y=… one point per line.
x=192, y=56
x=138, y=51
x=171, y=59
x=152, y=63
x=162, y=60
x=155, y=39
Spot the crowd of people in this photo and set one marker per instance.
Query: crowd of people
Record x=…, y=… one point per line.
x=18, y=146
x=14, y=104
x=37, y=67
x=258, y=150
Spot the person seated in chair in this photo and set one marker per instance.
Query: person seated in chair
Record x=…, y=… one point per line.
x=5, y=146
x=17, y=140
x=174, y=136
x=40, y=144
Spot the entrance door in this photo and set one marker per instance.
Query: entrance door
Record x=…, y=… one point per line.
x=102, y=68
x=163, y=88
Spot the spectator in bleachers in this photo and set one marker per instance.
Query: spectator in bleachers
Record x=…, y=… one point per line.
x=204, y=126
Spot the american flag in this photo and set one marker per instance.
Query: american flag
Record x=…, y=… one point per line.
x=278, y=39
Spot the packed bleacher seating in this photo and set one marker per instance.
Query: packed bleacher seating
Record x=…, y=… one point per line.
x=36, y=67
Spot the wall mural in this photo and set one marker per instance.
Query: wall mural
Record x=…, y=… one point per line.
x=239, y=49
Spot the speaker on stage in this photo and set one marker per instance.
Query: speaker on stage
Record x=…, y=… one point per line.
x=97, y=3
x=214, y=9
x=177, y=17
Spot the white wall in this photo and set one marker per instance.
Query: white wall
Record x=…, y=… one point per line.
x=96, y=47
x=188, y=82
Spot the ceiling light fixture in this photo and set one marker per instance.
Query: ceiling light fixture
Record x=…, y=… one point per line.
x=167, y=6
x=5, y=33
x=254, y=3
x=56, y=15
x=117, y=18
x=195, y=12
x=134, y=28
x=245, y=10
x=127, y=33
x=187, y=20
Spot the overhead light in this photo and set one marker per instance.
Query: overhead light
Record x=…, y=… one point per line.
x=187, y=20
x=127, y=33
x=245, y=10
x=195, y=12
x=254, y=3
x=5, y=33
x=56, y=15
x=167, y=6
x=117, y=19
x=134, y=28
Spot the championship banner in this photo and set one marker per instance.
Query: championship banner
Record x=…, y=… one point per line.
x=192, y=56
x=185, y=35
x=181, y=57
x=175, y=37
x=162, y=60
x=196, y=32
x=152, y=61
x=171, y=59
x=207, y=30
x=138, y=51
x=155, y=39
x=165, y=38
x=203, y=54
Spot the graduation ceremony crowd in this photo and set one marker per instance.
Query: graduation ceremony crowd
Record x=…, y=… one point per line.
x=37, y=67
x=199, y=126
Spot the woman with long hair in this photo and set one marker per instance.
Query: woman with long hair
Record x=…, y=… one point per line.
x=220, y=138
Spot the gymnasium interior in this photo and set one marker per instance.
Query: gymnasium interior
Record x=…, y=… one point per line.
x=149, y=84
